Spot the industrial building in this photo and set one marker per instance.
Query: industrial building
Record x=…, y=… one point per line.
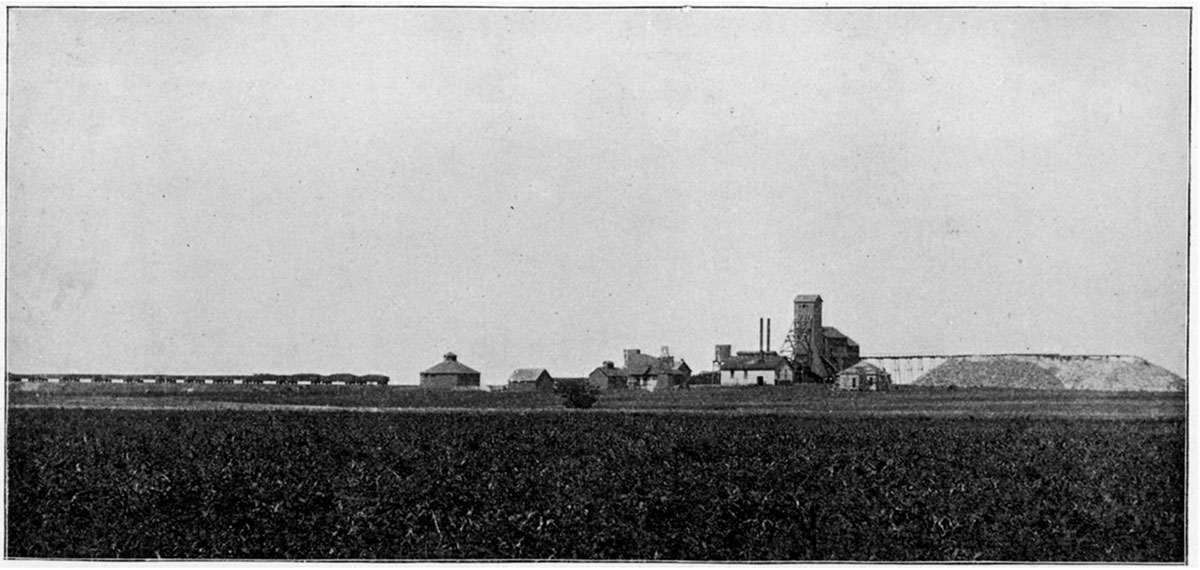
x=864, y=376
x=812, y=352
x=759, y=368
x=531, y=379
x=450, y=374
x=842, y=350
x=817, y=352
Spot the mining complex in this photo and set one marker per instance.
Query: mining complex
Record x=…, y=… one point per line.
x=812, y=353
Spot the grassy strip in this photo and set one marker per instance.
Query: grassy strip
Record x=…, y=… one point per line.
x=820, y=400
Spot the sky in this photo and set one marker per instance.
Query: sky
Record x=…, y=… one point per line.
x=286, y=190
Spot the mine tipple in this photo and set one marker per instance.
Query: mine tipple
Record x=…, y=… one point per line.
x=812, y=352
x=818, y=352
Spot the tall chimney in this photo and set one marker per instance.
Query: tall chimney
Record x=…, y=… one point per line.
x=760, y=334
x=768, y=334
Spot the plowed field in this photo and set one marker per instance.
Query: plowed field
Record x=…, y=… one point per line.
x=89, y=483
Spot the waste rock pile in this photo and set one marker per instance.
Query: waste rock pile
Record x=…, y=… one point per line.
x=1054, y=372
x=991, y=373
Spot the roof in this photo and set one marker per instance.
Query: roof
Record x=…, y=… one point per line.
x=571, y=380
x=863, y=367
x=640, y=370
x=450, y=366
x=526, y=375
x=610, y=372
x=754, y=362
x=831, y=332
x=807, y=298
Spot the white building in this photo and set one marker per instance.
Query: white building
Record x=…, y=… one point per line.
x=756, y=369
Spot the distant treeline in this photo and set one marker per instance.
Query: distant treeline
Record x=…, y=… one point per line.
x=348, y=379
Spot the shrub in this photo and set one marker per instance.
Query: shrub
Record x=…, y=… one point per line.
x=577, y=394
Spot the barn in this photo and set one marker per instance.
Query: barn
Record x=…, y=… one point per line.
x=864, y=376
x=450, y=374
x=531, y=379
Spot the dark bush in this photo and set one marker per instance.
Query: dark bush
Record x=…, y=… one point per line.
x=577, y=394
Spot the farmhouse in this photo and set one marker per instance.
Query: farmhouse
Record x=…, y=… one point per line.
x=864, y=376
x=450, y=374
x=608, y=377
x=531, y=379
x=642, y=371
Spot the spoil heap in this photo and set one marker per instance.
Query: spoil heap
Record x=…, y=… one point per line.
x=990, y=372
x=1054, y=372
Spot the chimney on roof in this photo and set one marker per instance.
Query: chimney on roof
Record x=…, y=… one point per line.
x=608, y=364
x=450, y=357
x=630, y=354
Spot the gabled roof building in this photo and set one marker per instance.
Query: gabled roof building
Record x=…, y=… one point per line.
x=642, y=371
x=531, y=379
x=756, y=369
x=608, y=377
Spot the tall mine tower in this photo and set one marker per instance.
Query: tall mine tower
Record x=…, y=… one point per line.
x=805, y=344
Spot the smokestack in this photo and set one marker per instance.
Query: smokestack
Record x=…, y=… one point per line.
x=760, y=334
x=768, y=334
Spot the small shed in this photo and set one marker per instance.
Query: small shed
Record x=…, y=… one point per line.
x=864, y=376
x=531, y=379
x=450, y=374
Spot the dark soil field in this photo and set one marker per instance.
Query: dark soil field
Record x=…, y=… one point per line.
x=717, y=474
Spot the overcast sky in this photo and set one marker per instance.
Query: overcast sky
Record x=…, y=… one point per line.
x=362, y=190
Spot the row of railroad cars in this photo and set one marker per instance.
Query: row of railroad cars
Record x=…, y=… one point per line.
x=310, y=379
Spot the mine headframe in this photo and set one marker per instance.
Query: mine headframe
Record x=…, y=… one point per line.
x=803, y=348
